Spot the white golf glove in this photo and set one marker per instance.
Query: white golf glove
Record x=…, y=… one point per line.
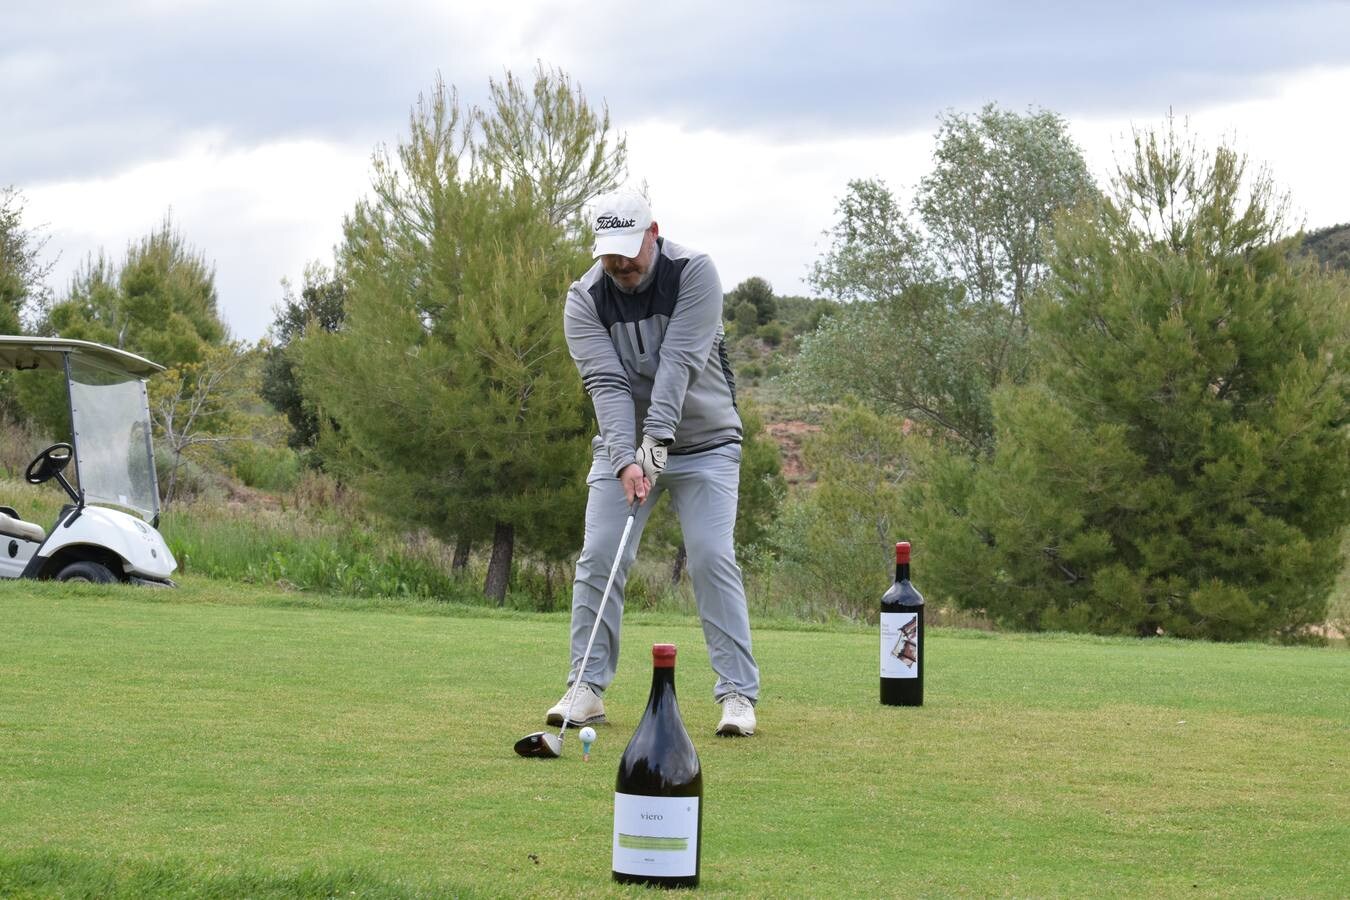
x=651, y=456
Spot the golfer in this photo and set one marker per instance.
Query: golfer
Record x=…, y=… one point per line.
x=644, y=326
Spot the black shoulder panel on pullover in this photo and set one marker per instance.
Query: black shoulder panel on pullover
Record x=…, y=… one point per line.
x=657, y=299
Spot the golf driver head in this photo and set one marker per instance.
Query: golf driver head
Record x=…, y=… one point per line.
x=540, y=744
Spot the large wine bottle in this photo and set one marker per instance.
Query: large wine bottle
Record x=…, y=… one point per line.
x=658, y=796
x=902, y=637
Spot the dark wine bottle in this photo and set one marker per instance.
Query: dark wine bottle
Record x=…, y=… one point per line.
x=902, y=637
x=658, y=796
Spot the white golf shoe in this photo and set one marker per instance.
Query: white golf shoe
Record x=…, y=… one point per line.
x=738, y=716
x=587, y=709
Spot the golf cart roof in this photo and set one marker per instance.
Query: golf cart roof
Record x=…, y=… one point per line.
x=19, y=352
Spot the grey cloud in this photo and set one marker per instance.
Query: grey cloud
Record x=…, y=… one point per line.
x=886, y=67
x=89, y=94
x=86, y=91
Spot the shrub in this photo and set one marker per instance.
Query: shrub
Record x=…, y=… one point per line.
x=771, y=333
x=265, y=468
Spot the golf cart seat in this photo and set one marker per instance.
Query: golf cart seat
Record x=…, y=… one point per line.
x=15, y=527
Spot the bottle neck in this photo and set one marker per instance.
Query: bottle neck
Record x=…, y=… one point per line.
x=902, y=571
x=663, y=686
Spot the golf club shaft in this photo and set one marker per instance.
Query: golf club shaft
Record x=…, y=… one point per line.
x=604, y=598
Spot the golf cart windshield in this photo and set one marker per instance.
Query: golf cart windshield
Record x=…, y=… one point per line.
x=110, y=418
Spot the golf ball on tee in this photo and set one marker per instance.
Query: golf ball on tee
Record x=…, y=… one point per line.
x=587, y=735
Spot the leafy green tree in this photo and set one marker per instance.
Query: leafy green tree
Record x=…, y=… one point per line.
x=760, y=491
x=746, y=318
x=988, y=205
x=458, y=405
x=1181, y=463
x=946, y=324
x=1331, y=246
x=762, y=485
x=803, y=315
x=998, y=180
x=757, y=292
x=771, y=333
x=321, y=304
x=905, y=341
x=832, y=541
x=875, y=253
x=913, y=356
x=23, y=274
x=207, y=403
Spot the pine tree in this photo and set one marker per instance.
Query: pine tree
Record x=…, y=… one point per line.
x=160, y=302
x=1181, y=463
x=458, y=406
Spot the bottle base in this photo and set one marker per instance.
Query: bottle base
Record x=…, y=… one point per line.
x=906, y=693
x=660, y=881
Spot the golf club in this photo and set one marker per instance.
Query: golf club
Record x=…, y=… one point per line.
x=541, y=743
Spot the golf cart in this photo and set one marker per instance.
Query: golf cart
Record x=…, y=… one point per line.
x=107, y=532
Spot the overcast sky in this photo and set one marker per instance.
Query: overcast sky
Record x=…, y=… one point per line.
x=254, y=122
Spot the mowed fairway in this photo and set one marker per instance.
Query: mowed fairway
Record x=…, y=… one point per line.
x=230, y=741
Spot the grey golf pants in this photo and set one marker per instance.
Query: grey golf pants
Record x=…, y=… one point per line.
x=703, y=488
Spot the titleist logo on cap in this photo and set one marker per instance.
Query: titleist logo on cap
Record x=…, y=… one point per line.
x=603, y=223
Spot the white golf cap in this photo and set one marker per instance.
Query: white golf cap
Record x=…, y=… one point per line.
x=619, y=221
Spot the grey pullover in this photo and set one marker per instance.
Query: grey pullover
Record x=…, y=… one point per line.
x=653, y=360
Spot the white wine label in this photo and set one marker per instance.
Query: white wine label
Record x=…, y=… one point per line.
x=899, y=645
x=655, y=835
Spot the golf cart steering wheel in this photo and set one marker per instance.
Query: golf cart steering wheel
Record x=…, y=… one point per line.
x=49, y=463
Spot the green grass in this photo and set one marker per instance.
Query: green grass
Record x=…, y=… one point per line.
x=226, y=740
x=271, y=547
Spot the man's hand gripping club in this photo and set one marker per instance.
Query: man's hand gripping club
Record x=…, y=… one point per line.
x=639, y=478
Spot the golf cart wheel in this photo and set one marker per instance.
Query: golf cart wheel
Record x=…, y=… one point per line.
x=85, y=570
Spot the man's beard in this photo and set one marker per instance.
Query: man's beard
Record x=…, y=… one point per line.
x=630, y=274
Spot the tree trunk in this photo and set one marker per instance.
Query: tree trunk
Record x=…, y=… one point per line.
x=459, y=564
x=677, y=570
x=173, y=477
x=499, y=566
